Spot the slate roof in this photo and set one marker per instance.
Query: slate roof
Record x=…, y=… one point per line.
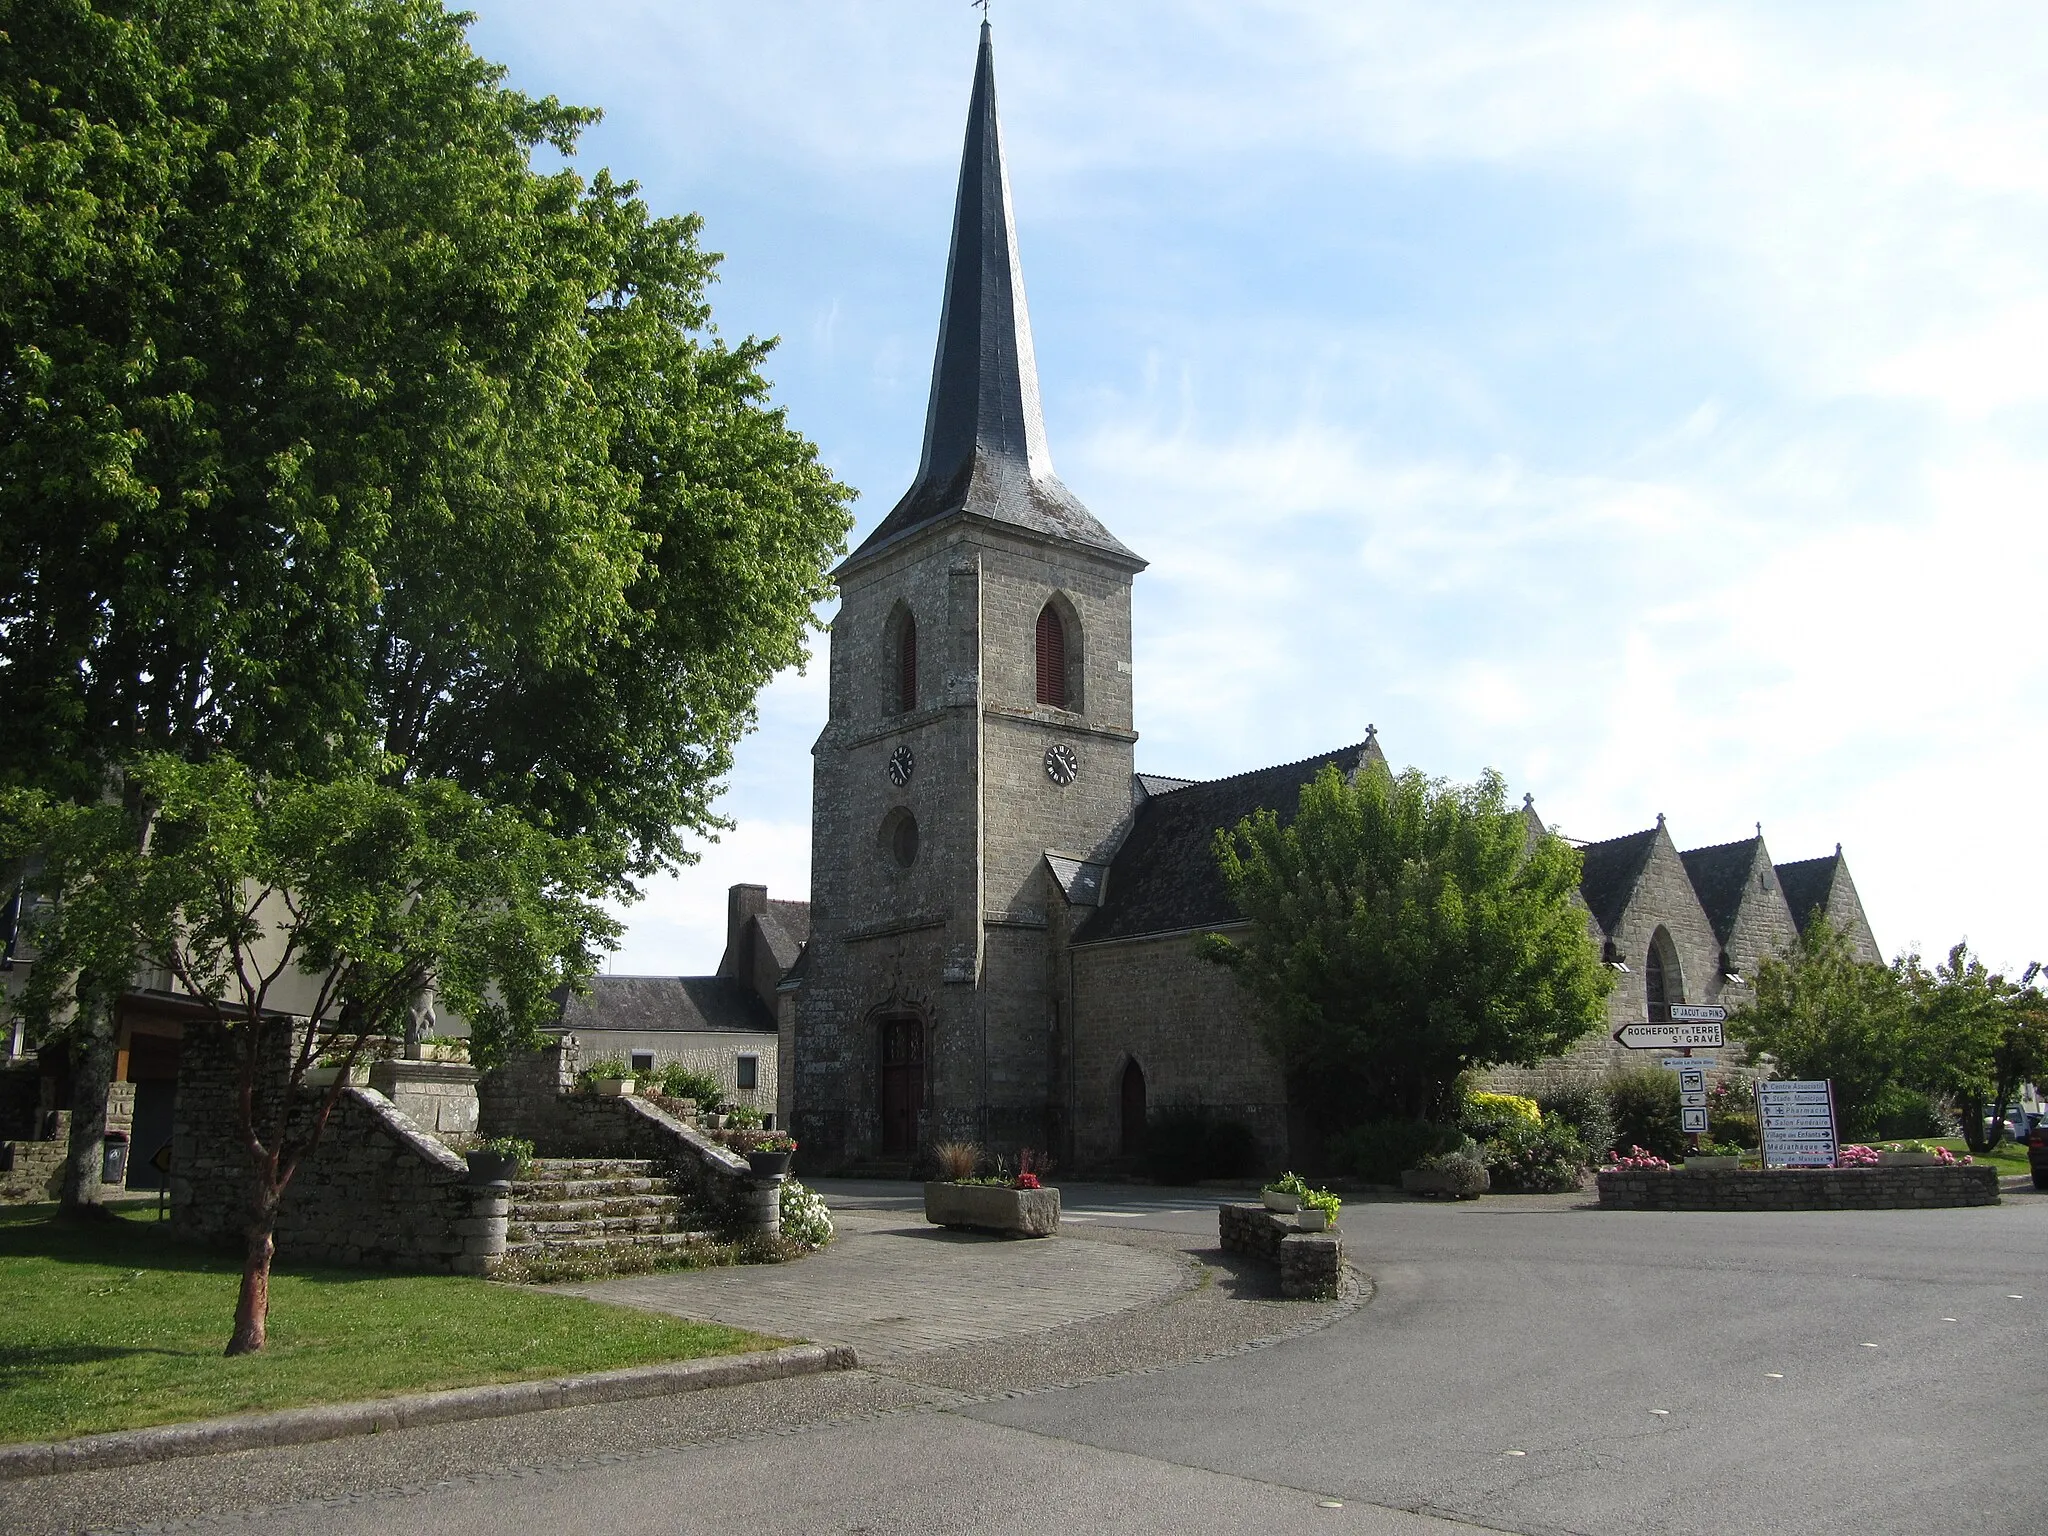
x=1610, y=873
x=1164, y=877
x=658, y=1004
x=1808, y=883
x=786, y=925
x=1720, y=878
x=985, y=453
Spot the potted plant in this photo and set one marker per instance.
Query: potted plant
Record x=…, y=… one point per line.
x=1280, y=1196
x=769, y=1155
x=1017, y=1205
x=1319, y=1210
x=499, y=1160
x=1714, y=1157
x=608, y=1077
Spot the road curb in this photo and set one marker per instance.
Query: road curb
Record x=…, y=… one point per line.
x=336, y=1421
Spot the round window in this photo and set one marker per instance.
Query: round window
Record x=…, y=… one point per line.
x=899, y=837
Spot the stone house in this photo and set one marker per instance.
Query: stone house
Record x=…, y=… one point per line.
x=1004, y=910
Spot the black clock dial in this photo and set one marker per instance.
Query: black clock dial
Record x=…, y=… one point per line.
x=901, y=766
x=1061, y=764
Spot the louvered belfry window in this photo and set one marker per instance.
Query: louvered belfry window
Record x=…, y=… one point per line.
x=1052, y=658
x=906, y=667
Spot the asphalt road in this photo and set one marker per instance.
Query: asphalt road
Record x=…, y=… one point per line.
x=1524, y=1365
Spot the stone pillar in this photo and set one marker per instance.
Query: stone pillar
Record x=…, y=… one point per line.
x=437, y=1096
x=482, y=1230
x=760, y=1204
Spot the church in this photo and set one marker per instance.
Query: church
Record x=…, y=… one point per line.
x=1004, y=909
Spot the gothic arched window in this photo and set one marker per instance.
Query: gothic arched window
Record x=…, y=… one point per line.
x=1662, y=983
x=1052, y=658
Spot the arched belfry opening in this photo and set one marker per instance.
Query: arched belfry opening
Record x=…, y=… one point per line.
x=1059, y=655
x=1131, y=1104
x=1663, y=984
x=900, y=645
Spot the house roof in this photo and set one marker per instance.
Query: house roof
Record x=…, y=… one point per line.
x=1165, y=878
x=1808, y=883
x=786, y=927
x=1720, y=878
x=1611, y=869
x=985, y=453
x=659, y=1004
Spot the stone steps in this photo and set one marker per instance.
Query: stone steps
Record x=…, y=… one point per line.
x=597, y=1226
x=587, y=1245
x=589, y=1209
x=539, y=1190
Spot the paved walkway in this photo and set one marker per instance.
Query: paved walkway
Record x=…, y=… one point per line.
x=893, y=1286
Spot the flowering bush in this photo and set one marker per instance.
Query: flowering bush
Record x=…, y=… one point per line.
x=1638, y=1159
x=1855, y=1156
x=805, y=1219
x=1949, y=1159
x=1543, y=1157
x=1027, y=1181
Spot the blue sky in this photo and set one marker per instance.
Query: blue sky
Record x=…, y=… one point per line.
x=1647, y=401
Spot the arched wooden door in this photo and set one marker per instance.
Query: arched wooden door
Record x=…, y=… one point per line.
x=902, y=1083
x=1133, y=1105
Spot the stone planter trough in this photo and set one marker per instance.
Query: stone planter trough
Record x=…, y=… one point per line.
x=1907, y=1159
x=1712, y=1164
x=993, y=1208
x=615, y=1087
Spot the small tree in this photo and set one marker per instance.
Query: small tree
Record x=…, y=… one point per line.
x=374, y=893
x=1975, y=1038
x=1405, y=930
x=1825, y=1014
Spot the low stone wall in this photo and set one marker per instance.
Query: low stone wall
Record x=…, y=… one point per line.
x=377, y=1190
x=531, y=1097
x=32, y=1171
x=1310, y=1263
x=1800, y=1189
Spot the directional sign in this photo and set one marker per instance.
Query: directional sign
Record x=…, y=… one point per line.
x=1798, y=1122
x=1668, y=1037
x=1680, y=1063
x=1698, y=1013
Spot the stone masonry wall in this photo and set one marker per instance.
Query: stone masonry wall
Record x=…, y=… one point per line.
x=1310, y=1263
x=376, y=1191
x=33, y=1170
x=1800, y=1189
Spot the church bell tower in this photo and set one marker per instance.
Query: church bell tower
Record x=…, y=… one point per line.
x=980, y=718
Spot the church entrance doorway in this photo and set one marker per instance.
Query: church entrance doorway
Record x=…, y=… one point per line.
x=902, y=1083
x=1133, y=1097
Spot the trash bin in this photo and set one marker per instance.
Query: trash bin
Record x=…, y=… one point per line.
x=114, y=1159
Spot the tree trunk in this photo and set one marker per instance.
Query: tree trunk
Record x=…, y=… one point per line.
x=252, y=1307
x=92, y=1072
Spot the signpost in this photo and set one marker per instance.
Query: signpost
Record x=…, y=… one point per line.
x=1678, y=1035
x=1798, y=1123
x=1688, y=1027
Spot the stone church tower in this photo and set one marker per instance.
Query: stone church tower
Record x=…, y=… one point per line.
x=980, y=717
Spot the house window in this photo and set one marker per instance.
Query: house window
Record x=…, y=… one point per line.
x=1052, y=658
x=749, y=1073
x=643, y=1062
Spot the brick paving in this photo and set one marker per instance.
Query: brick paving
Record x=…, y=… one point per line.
x=893, y=1287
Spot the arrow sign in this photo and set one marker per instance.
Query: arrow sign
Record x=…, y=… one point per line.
x=1667, y=1037
x=1698, y=1013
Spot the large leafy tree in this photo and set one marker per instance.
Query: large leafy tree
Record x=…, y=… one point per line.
x=1404, y=930
x=336, y=436
x=304, y=916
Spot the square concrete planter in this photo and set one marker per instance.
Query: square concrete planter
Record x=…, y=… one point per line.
x=1907, y=1159
x=1698, y=1164
x=993, y=1208
x=615, y=1087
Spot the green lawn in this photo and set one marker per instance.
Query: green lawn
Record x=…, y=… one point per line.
x=112, y=1326
x=2007, y=1157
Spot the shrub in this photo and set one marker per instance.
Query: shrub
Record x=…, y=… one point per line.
x=1644, y=1102
x=744, y=1117
x=1642, y=1158
x=1378, y=1151
x=1467, y=1174
x=1902, y=1112
x=1581, y=1105
x=805, y=1219
x=1542, y=1159
x=1187, y=1145
x=957, y=1160
x=701, y=1088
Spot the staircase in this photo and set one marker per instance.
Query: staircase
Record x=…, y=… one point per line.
x=593, y=1210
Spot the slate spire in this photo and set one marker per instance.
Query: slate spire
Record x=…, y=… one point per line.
x=985, y=452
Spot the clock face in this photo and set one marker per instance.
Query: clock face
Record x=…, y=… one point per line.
x=901, y=766
x=1061, y=764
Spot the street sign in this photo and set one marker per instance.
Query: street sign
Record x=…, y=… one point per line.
x=1679, y=1063
x=1798, y=1123
x=1692, y=1101
x=1698, y=1013
x=1693, y=1121
x=1675, y=1036
x=1692, y=1079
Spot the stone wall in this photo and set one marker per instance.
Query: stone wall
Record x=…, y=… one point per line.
x=1800, y=1189
x=32, y=1169
x=377, y=1190
x=437, y=1096
x=1310, y=1263
x=531, y=1097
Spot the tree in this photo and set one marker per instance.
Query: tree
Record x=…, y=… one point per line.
x=1976, y=1037
x=1403, y=931
x=305, y=915
x=335, y=436
x=1822, y=1013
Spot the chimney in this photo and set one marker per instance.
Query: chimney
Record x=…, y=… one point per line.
x=741, y=902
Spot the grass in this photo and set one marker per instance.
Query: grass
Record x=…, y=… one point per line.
x=2007, y=1157
x=113, y=1326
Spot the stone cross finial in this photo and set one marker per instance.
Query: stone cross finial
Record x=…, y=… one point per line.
x=1660, y=820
